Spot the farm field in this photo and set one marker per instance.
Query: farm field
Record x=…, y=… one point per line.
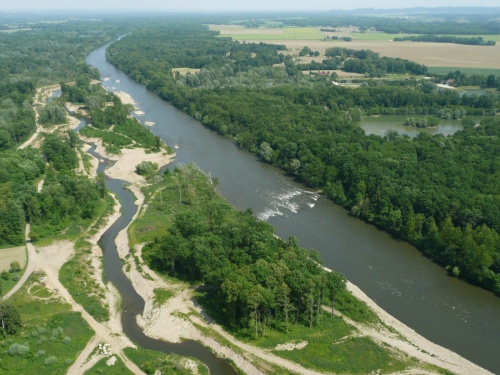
x=289, y=33
x=430, y=54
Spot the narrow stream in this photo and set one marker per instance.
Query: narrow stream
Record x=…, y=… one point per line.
x=132, y=302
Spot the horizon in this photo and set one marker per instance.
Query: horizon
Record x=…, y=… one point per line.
x=200, y=6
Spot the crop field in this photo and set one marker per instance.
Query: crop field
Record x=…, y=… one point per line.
x=470, y=71
x=263, y=34
x=431, y=54
x=7, y=256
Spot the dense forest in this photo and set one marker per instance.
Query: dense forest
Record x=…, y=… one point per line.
x=440, y=193
x=258, y=280
x=43, y=53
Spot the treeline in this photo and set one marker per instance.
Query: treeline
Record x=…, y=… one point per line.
x=369, y=62
x=257, y=279
x=475, y=41
x=365, y=62
x=422, y=190
x=463, y=79
x=421, y=122
x=17, y=118
x=478, y=24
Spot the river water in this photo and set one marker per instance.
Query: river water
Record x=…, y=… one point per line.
x=445, y=310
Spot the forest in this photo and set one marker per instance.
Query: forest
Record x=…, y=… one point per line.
x=258, y=280
x=47, y=53
x=439, y=193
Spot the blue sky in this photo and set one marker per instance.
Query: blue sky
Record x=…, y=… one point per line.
x=219, y=5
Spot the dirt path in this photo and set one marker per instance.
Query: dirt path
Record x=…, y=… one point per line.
x=51, y=258
x=30, y=266
x=41, y=96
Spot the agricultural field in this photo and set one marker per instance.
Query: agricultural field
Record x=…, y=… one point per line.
x=261, y=34
x=430, y=54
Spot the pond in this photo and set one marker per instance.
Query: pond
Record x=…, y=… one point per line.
x=379, y=125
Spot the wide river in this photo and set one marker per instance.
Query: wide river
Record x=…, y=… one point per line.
x=445, y=310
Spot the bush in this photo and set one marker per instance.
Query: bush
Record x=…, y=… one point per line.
x=18, y=349
x=146, y=168
x=15, y=277
x=15, y=267
x=66, y=340
x=50, y=360
x=40, y=353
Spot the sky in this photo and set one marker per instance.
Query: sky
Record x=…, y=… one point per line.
x=231, y=5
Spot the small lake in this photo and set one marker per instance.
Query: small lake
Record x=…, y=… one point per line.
x=381, y=124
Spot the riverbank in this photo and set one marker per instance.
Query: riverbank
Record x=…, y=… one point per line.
x=168, y=322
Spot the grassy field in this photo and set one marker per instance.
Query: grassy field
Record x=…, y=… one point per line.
x=469, y=71
x=184, y=71
x=101, y=367
x=9, y=255
x=288, y=33
x=52, y=334
x=150, y=361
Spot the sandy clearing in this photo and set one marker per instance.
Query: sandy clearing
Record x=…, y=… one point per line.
x=124, y=167
x=12, y=254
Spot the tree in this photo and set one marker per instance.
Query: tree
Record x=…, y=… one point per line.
x=15, y=267
x=10, y=319
x=336, y=283
x=491, y=81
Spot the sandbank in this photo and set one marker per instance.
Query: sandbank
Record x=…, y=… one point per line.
x=125, y=98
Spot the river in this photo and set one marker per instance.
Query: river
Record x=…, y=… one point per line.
x=445, y=310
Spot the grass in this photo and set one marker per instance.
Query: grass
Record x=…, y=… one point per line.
x=11, y=254
x=162, y=295
x=330, y=345
x=151, y=361
x=46, y=324
x=286, y=33
x=76, y=277
x=101, y=367
x=469, y=71
x=157, y=218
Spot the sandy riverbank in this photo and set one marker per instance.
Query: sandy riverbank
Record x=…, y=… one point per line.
x=165, y=323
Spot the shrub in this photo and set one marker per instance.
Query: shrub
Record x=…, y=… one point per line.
x=15, y=277
x=18, y=349
x=66, y=340
x=40, y=353
x=49, y=361
x=15, y=267
x=146, y=168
